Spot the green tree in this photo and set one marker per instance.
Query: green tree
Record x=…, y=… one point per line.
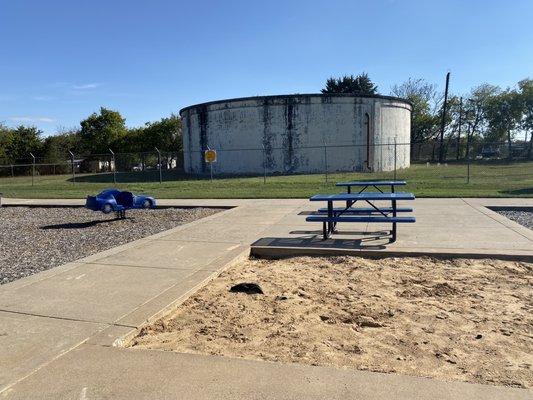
x=526, y=95
x=476, y=107
x=360, y=84
x=99, y=132
x=504, y=114
x=453, y=119
x=475, y=114
x=22, y=141
x=132, y=142
x=423, y=97
x=5, y=140
x=56, y=148
x=164, y=134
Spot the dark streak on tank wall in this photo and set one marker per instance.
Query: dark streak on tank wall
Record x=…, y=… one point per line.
x=268, y=136
x=290, y=139
x=202, y=122
x=189, y=134
x=325, y=99
x=359, y=132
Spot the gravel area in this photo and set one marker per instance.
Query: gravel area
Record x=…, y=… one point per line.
x=37, y=239
x=524, y=218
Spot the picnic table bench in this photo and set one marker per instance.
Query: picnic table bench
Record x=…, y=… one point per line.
x=330, y=216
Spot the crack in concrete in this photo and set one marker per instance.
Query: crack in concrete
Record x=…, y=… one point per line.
x=494, y=219
x=64, y=318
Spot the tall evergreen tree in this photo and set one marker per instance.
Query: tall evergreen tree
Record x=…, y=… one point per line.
x=360, y=84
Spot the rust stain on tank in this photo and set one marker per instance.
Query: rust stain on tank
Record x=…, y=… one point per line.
x=268, y=136
x=189, y=137
x=202, y=123
x=290, y=139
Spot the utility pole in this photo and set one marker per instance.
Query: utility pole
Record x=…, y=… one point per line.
x=443, y=122
x=459, y=131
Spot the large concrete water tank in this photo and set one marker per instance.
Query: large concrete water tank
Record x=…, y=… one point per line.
x=289, y=133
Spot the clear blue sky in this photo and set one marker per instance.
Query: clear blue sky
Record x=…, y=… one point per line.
x=62, y=60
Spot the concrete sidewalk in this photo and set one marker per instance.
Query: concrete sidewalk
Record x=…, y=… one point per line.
x=93, y=371
x=447, y=227
x=57, y=327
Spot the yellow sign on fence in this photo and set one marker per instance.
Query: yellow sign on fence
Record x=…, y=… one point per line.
x=210, y=156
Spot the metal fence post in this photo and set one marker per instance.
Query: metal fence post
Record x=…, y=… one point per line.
x=264, y=165
x=12, y=171
x=395, y=154
x=32, y=168
x=326, y=160
x=72, y=163
x=114, y=166
x=468, y=169
x=159, y=163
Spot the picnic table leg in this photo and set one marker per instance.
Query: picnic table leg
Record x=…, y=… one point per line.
x=330, y=215
x=394, y=223
x=324, y=231
x=348, y=202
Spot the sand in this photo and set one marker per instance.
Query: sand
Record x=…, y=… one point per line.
x=466, y=320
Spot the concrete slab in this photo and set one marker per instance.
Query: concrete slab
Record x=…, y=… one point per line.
x=443, y=226
x=243, y=232
x=171, y=254
x=28, y=280
x=484, y=208
x=94, y=372
x=292, y=247
x=92, y=292
x=471, y=237
x=27, y=342
x=175, y=295
x=113, y=335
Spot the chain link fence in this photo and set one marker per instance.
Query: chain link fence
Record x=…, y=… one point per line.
x=462, y=162
x=109, y=167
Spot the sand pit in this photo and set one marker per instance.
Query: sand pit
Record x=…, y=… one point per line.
x=467, y=320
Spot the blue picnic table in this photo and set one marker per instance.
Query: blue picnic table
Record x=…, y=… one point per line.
x=376, y=213
x=366, y=184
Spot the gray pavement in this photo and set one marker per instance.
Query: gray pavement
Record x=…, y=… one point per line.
x=97, y=372
x=443, y=227
x=57, y=327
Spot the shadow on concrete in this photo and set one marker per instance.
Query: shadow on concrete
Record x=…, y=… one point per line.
x=518, y=192
x=79, y=225
x=316, y=242
x=377, y=234
x=272, y=248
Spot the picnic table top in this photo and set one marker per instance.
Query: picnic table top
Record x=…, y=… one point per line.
x=363, y=196
x=371, y=183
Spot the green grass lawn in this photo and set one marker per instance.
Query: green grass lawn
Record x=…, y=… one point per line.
x=494, y=180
